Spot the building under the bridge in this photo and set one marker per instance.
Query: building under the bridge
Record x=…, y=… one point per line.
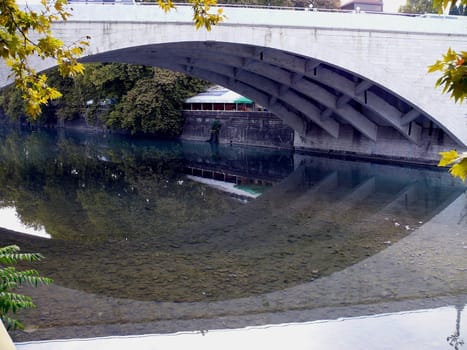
x=242, y=120
x=219, y=98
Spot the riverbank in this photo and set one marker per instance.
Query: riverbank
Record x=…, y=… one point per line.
x=261, y=130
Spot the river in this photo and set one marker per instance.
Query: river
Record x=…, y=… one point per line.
x=136, y=243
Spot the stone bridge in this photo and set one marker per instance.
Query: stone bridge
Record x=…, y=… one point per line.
x=346, y=82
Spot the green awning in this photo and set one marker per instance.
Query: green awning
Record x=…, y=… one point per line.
x=243, y=100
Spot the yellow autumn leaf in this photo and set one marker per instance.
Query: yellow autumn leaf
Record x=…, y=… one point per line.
x=78, y=68
x=33, y=109
x=448, y=157
x=166, y=5
x=438, y=65
x=53, y=94
x=460, y=169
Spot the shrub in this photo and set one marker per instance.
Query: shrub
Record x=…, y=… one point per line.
x=11, y=278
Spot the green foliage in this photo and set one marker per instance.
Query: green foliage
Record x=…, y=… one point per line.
x=26, y=33
x=154, y=104
x=11, y=103
x=418, y=6
x=120, y=96
x=457, y=8
x=108, y=94
x=10, y=279
x=202, y=15
x=99, y=83
x=325, y=4
x=100, y=199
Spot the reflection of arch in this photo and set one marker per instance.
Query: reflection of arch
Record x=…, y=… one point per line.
x=359, y=284
x=257, y=236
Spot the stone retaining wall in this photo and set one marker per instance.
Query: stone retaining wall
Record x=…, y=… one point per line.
x=247, y=128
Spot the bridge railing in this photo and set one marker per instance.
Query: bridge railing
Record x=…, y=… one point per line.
x=266, y=7
x=270, y=7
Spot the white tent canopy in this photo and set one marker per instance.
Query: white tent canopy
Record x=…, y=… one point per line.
x=218, y=94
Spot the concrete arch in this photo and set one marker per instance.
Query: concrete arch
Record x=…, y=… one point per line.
x=303, y=91
x=259, y=73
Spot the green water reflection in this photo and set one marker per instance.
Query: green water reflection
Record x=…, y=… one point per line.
x=88, y=189
x=126, y=222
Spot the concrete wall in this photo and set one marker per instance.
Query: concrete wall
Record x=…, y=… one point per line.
x=390, y=145
x=246, y=128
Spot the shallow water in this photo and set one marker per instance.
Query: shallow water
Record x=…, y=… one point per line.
x=133, y=241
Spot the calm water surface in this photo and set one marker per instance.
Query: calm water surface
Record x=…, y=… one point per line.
x=134, y=246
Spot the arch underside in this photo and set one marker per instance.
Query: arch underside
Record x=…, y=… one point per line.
x=304, y=92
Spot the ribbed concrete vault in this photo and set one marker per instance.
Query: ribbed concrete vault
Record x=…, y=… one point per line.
x=306, y=93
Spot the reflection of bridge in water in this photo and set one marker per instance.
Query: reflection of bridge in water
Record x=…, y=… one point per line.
x=247, y=166
x=226, y=175
x=303, y=249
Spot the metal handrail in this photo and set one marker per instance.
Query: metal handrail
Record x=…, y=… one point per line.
x=264, y=7
x=269, y=7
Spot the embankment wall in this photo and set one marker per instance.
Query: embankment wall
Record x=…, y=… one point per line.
x=246, y=128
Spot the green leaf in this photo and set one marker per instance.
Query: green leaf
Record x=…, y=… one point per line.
x=10, y=279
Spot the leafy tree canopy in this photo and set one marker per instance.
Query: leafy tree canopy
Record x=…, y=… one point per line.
x=154, y=104
x=456, y=8
x=126, y=97
x=20, y=25
x=101, y=83
x=418, y=6
x=18, y=28
x=318, y=4
x=25, y=33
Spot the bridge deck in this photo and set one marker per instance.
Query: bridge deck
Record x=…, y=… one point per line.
x=284, y=17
